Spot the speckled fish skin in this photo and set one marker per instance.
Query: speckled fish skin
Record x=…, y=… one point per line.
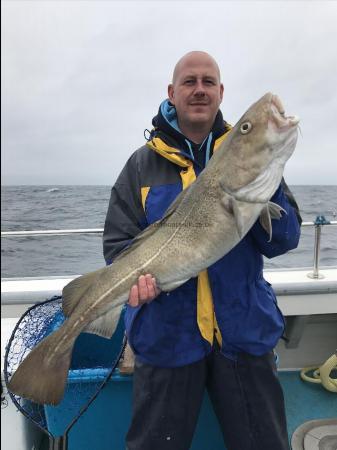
x=203, y=224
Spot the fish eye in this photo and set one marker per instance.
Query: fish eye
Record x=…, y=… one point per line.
x=245, y=127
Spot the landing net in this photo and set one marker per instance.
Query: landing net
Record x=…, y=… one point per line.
x=93, y=362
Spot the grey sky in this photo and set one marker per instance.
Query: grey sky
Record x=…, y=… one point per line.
x=81, y=80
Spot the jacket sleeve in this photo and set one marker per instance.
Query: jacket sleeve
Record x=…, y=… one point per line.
x=125, y=217
x=286, y=231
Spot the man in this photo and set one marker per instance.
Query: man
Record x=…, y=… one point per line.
x=181, y=344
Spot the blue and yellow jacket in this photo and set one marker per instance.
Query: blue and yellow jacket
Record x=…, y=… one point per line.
x=230, y=301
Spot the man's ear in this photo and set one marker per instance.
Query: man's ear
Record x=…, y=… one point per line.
x=170, y=91
x=221, y=91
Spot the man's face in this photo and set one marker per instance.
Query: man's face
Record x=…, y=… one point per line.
x=196, y=91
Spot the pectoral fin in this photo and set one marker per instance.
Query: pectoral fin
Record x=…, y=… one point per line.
x=239, y=212
x=237, y=209
x=275, y=210
x=271, y=211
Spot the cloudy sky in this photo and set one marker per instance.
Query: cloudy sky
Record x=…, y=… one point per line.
x=81, y=80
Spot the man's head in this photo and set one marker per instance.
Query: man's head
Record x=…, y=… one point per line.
x=196, y=91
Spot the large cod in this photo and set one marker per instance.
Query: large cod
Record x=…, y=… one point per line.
x=203, y=224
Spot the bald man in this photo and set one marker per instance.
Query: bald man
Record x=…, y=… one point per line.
x=180, y=344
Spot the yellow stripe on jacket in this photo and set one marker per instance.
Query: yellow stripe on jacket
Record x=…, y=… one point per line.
x=206, y=319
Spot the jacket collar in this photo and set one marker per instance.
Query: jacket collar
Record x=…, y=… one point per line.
x=167, y=139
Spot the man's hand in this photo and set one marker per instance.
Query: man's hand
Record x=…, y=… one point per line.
x=144, y=292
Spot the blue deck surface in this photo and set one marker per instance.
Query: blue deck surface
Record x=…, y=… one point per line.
x=306, y=401
x=104, y=424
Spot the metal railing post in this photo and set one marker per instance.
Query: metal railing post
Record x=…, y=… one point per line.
x=320, y=220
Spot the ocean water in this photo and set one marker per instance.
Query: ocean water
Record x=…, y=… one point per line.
x=64, y=207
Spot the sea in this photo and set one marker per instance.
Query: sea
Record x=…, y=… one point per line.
x=75, y=207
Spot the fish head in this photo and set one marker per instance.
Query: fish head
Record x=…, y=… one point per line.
x=257, y=150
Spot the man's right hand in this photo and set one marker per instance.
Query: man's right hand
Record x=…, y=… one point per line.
x=144, y=292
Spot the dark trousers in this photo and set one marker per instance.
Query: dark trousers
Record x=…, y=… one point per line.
x=246, y=396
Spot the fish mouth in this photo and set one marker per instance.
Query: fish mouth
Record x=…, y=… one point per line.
x=278, y=116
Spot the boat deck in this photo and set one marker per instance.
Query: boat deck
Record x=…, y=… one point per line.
x=304, y=402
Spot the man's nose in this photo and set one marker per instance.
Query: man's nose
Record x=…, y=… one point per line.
x=199, y=89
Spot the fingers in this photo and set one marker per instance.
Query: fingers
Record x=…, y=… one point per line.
x=143, y=292
x=143, y=288
x=152, y=287
x=156, y=288
x=151, y=291
x=133, y=297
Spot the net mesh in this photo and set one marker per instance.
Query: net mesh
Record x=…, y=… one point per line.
x=93, y=361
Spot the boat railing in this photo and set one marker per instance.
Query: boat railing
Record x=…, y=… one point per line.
x=318, y=224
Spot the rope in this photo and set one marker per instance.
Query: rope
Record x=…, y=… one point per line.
x=321, y=375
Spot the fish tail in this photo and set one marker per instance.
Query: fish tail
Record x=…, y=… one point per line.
x=42, y=376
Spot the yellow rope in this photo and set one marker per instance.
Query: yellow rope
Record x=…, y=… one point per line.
x=321, y=375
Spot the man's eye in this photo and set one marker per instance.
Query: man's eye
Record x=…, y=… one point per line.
x=188, y=81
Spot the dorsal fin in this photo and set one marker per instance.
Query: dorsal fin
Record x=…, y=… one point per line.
x=74, y=291
x=143, y=235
